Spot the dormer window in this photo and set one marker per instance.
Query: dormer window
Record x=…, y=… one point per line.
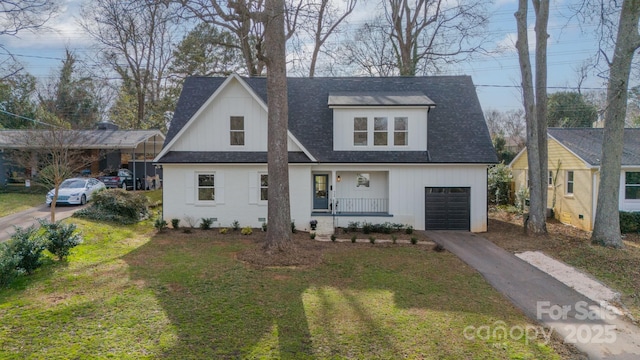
x=360, y=131
x=401, y=126
x=236, y=126
x=380, y=131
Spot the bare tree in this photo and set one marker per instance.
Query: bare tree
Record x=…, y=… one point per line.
x=606, y=228
x=323, y=17
x=239, y=17
x=134, y=38
x=535, y=105
x=236, y=17
x=54, y=153
x=369, y=52
x=428, y=33
x=23, y=15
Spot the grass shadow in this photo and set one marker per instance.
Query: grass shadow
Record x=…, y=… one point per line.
x=223, y=308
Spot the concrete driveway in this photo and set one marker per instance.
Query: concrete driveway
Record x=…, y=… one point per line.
x=29, y=217
x=591, y=328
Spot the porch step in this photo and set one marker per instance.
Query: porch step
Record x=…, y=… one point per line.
x=324, y=226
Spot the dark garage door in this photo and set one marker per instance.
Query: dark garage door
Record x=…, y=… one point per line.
x=447, y=208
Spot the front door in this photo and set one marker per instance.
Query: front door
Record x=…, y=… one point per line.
x=321, y=192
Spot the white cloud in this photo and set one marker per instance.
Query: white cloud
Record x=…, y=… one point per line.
x=60, y=31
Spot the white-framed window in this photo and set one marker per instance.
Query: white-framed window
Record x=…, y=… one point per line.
x=632, y=185
x=236, y=133
x=400, y=131
x=206, y=187
x=360, y=131
x=569, y=181
x=550, y=178
x=264, y=187
x=380, y=131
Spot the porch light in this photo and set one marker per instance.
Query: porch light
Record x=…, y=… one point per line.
x=339, y=178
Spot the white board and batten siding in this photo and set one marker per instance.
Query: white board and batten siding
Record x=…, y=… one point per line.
x=407, y=191
x=343, y=126
x=237, y=194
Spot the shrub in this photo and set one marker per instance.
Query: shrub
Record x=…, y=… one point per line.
x=629, y=222
x=394, y=238
x=160, y=224
x=8, y=265
x=353, y=226
x=235, y=225
x=205, y=223
x=116, y=205
x=333, y=238
x=293, y=227
x=386, y=228
x=191, y=221
x=408, y=229
x=312, y=235
x=367, y=228
x=264, y=226
x=522, y=196
x=438, y=248
x=223, y=230
x=353, y=238
x=246, y=230
x=60, y=238
x=372, y=239
x=28, y=246
x=397, y=227
x=414, y=240
x=498, y=182
x=175, y=223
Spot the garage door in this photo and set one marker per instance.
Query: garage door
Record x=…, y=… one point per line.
x=447, y=208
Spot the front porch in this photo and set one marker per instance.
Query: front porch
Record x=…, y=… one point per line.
x=357, y=195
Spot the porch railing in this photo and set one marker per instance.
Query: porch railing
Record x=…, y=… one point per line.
x=360, y=205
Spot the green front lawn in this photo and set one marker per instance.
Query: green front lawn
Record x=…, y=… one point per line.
x=11, y=203
x=130, y=293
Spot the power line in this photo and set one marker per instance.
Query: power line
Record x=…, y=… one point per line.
x=548, y=87
x=26, y=118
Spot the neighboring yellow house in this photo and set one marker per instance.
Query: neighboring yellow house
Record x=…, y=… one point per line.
x=574, y=156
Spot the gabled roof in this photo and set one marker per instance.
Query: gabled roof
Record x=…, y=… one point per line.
x=586, y=143
x=89, y=139
x=457, y=132
x=402, y=98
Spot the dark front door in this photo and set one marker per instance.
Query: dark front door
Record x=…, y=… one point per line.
x=447, y=208
x=321, y=192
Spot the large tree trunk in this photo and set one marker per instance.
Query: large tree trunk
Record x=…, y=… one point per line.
x=279, y=217
x=606, y=229
x=542, y=18
x=536, y=156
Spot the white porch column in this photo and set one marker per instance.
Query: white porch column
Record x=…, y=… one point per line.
x=333, y=191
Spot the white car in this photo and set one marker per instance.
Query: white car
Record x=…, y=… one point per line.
x=75, y=191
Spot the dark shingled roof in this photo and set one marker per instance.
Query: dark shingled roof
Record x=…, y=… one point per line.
x=587, y=144
x=457, y=132
x=227, y=157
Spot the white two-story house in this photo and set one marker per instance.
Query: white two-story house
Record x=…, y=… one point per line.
x=404, y=150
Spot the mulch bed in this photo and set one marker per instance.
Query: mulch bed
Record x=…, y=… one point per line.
x=305, y=252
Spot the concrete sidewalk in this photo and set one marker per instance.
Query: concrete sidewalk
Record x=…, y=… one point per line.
x=30, y=217
x=591, y=328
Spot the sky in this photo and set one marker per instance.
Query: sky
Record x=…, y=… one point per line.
x=497, y=77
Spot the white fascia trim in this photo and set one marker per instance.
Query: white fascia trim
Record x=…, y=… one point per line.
x=299, y=144
x=517, y=156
